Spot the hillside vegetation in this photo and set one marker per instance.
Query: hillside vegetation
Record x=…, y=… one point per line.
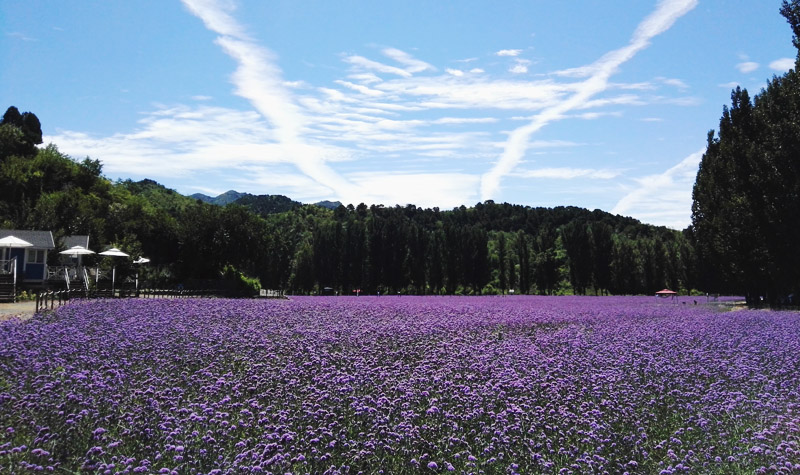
x=488, y=248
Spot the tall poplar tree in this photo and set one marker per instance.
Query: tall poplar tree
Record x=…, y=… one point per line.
x=746, y=205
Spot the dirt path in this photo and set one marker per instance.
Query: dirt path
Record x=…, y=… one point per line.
x=23, y=310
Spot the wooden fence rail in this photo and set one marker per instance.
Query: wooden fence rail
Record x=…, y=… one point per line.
x=180, y=293
x=52, y=299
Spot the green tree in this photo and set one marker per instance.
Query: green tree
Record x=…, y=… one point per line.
x=602, y=253
x=523, y=252
x=19, y=133
x=747, y=192
x=546, y=261
x=502, y=262
x=730, y=211
x=791, y=11
x=576, y=239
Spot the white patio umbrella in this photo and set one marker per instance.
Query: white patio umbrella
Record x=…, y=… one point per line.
x=9, y=242
x=77, y=251
x=13, y=241
x=140, y=260
x=113, y=252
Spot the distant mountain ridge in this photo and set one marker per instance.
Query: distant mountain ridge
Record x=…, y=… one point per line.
x=268, y=204
x=260, y=204
x=228, y=197
x=329, y=204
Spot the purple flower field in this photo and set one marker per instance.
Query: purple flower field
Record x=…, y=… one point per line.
x=401, y=385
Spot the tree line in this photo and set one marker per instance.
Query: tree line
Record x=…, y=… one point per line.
x=489, y=248
x=746, y=209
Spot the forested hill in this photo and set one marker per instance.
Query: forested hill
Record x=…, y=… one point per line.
x=259, y=204
x=488, y=248
x=226, y=198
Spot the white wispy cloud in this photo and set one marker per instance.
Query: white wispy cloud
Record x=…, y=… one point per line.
x=360, y=88
x=598, y=74
x=476, y=91
x=509, y=52
x=520, y=67
x=365, y=78
x=662, y=199
x=369, y=64
x=598, y=115
x=179, y=141
x=566, y=173
x=674, y=82
x=466, y=120
x=259, y=80
x=445, y=190
x=747, y=67
x=637, y=86
x=624, y=99
x=216, y=15
x=413, y=65
x=20, y=36
x=782, y=64
x=577, y=72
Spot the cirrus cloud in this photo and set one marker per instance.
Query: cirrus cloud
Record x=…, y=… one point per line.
x=782, y=64
x=509, y=52
x=747, y=67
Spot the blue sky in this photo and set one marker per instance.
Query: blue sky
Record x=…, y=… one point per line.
x=436, y=103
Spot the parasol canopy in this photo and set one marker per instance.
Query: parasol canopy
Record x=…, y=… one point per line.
x=13, y=241
x=114, y=252
x=9, y=242
x=666, y=293
x=77, y=251
x=141, y=260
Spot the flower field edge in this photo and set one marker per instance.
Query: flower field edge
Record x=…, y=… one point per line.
x=400, y=385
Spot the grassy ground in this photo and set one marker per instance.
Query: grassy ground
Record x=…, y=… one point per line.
x=22, y=310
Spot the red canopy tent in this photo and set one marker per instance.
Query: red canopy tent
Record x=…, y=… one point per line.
x=667, y=293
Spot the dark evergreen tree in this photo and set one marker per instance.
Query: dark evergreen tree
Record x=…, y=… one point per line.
x=19, y=133
x=577, y=243
x=523, y=251
x=547, y=264
x=747, y=193
x=502, y=262
x=790, y=9
x=602, y=253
